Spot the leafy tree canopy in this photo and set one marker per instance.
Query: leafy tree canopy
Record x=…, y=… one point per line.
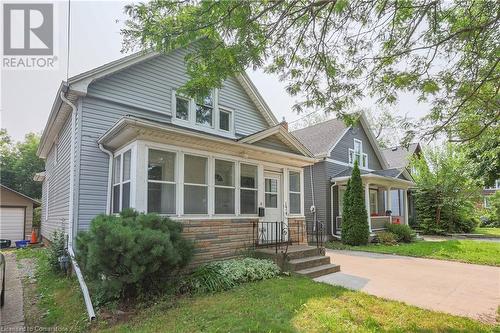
x=19, y=163
x=334, y=53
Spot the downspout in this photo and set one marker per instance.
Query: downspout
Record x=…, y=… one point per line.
x=313, y=207
x=83, y=285
x=110, y=172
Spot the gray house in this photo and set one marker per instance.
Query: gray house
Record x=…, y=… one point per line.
x=121, y=136
x=337, y=147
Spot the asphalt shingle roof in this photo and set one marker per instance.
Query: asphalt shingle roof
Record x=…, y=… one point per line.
x=319, y=138
x=398, y=157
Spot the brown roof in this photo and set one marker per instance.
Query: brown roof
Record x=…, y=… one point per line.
x=319, y=138
x=398, y=157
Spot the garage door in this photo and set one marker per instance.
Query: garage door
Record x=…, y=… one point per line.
x=11, y=223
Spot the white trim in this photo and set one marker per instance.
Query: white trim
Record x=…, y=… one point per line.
x=346, y=164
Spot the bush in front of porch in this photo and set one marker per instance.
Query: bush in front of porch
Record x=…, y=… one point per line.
x=355, y=229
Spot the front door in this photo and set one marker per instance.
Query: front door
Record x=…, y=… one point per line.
x=272, y=225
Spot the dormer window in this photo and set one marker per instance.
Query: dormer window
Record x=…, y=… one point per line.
x=357, y=154
x=204, y=110
x=182, y=108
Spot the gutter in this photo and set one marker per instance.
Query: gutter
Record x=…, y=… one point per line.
x=83, y=285
x=110, y=178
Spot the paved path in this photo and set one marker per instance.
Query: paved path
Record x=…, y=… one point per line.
x=12, y=315
x=453, y=287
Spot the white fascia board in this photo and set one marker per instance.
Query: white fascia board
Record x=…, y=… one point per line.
x=250, y=88
x=373, y=176
x=329, y=152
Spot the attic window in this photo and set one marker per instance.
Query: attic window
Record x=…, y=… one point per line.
x=357, y=154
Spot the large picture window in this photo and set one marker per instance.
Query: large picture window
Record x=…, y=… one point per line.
x=224, y=187
x=294, y=189
x=248, y=189
x=195, y=184
x=161, y=182
x=121, y=181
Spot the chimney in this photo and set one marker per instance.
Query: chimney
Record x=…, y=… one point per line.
x=284, y=124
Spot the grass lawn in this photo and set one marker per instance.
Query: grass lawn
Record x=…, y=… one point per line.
x=293, y=304
x=51, y=300
x=469, y=251
x=491, y=232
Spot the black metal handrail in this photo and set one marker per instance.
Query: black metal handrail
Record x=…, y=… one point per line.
x=316, y=235
x=277, y=234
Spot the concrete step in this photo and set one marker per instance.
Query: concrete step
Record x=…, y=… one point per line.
x=300, y=252
x=319, y=270
x=308, y=262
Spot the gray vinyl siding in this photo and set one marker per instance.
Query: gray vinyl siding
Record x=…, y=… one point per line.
x=274, y=143
x=57, y=184
x=341, y=150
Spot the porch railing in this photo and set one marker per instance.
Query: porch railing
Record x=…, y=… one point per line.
x=316, y=236
x=277, y=235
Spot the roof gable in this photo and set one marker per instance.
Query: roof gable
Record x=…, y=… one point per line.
x=399, y=156
x=36, y=202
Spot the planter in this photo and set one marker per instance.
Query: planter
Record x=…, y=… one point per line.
x=21, y=244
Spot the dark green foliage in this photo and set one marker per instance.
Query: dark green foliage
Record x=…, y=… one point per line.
x=224, y=275
x=387, y=238
x=132, y=254
x=402, y=232
x=355, y=229
x=57, y=248
x=493, y=213
x=37, y=217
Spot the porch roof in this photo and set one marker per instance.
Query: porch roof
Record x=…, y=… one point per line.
x=387, y=177
x=130, y=128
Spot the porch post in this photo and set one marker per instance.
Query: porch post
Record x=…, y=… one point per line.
x=389, y=202
x=367, y=204
x=405, y=200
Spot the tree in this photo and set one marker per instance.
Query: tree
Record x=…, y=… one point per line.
x=336, y=53
x=355, y=229
x=446, y=191
x=388, y=127
x=19, y=163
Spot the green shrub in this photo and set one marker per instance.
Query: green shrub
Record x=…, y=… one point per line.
x=131, y=255
x=355, y=229
x=402, y=232
x=57, y=249
x=387, y=238
x=224, y=275
x=37, y=217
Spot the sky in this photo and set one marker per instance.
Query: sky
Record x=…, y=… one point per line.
x=27, y=96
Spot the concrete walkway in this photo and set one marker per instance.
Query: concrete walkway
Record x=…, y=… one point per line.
x=11, y=314
x=452, y=287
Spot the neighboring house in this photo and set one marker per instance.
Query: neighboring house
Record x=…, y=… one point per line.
x=337, y=147
x=488, y=192
x=400, y=157
x=120, y=136
x=16, y=214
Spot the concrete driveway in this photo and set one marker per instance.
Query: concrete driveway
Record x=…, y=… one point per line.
x=11, y=314
x=452, y=287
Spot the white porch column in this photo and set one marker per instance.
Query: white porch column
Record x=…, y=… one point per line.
x=405, y=200
x=367, y=204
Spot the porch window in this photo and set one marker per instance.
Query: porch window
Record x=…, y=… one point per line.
x=373, y=201
x=224, y=187
x=248, y=189
x=271, y=192
x=121, y=181
x=294, y=189
x=161, y=182
x=204, y=110
x=341, y=198
x=195, y=184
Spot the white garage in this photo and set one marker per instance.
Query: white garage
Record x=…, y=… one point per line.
x=16, y=214
x=12, y=223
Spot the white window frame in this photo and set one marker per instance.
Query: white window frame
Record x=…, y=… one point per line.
x=376, y=201
x=257, y=182
x=175, y=182
x=121, y=182
x=234, y=187
x=290, y=192
x=207, y=184
x=231, y=120
x=363, y=157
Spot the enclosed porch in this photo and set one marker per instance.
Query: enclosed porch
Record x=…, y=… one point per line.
x=386, y=198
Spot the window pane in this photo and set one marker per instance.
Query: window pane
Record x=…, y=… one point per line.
x=294, y=203
x=126, y=165
x=195, y=169
x=181, y=108
x=271, y=185
x=224, y=173
x=248, y=202
x=248, y=177
x=357, y=146
x=161, y=198
x=116, y=169
x=126, y=196
x=294, y=181
x=204, y=115
x=271, y=200
x=161, y=165
x=224, y=118
x=224, y=200
x=195, y=199
x=205, y=100
x=116, y=199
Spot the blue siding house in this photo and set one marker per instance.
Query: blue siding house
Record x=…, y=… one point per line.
x=336, y=147
x=121, y=136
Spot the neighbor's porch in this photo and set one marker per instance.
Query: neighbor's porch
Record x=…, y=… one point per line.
x=386, y=200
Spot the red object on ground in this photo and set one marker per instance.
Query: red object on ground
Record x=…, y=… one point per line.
x=397, y=221
x=33, y=237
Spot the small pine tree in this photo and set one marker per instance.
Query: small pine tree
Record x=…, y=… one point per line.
x=355, y=229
